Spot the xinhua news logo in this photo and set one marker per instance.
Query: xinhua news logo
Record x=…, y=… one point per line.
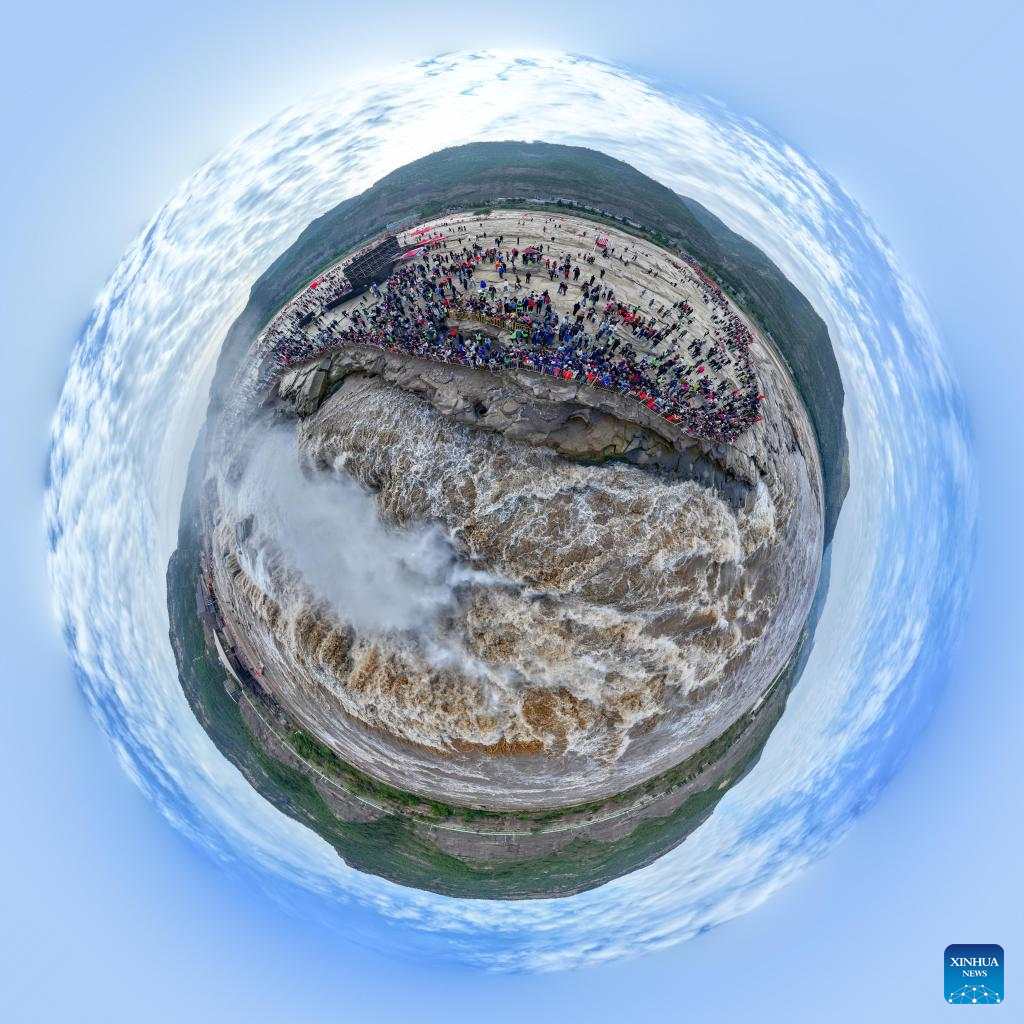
x=974, y=975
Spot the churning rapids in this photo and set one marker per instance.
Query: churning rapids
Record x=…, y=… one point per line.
x=133, y=403
x=479, y=619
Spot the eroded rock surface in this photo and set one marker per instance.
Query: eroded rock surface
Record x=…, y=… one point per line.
x=576, y=420
x=604, y=596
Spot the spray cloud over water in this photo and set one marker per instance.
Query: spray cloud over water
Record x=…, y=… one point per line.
x=114, y=499
x=326, y=528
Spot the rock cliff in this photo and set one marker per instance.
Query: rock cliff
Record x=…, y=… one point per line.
x=578, y=421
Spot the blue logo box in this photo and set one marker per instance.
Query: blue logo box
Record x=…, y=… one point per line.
x=974, y=974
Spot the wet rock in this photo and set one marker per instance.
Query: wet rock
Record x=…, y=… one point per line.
x=577, y=421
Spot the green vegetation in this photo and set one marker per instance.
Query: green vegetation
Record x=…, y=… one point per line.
x=361, y=784
x=405, y=842
x=402, y=844
x=356, y=782
x=475, y=175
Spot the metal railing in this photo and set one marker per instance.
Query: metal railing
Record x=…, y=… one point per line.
x=442, y=358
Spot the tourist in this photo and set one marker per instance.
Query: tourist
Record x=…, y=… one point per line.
x=412, y=311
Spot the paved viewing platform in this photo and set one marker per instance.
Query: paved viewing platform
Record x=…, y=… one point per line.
x=547, y=294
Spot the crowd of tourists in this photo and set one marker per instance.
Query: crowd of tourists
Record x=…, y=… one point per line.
x=436, y=308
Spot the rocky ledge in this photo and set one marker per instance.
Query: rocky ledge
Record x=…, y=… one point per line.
x=576, y=420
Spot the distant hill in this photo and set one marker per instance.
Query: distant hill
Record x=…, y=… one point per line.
x=482, y=173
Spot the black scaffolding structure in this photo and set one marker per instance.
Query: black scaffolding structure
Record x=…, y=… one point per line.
x=372, y=263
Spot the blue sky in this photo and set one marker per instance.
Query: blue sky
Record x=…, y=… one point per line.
x=112, y=911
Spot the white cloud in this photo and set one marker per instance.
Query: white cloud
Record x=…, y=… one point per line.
x=135, y=397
